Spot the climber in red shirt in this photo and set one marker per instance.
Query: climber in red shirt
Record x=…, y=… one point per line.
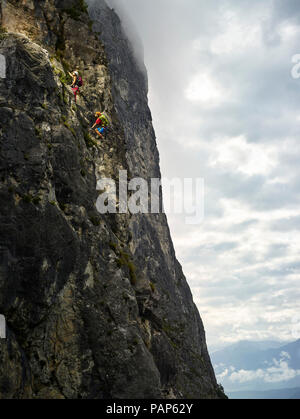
x=101, y=124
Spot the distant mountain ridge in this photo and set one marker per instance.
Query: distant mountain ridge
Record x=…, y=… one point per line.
x=265, y=344
x=284, y=393
x=258, y=366
x=252, y=355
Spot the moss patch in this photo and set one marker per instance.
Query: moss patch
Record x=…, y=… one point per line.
x=125, y=260
x=38, y=132
x=89, y=141
x=95, y=221
x=77, y=9
x=3, y=33
x=27, y=198
x=67, y=125
x=36, y=200
x=152, y=286
x=62, y=206
x=31, y=199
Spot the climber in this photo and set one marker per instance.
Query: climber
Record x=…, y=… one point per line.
x=76, y=83
x=101, y=124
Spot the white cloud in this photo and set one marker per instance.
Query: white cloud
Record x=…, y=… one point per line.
x=238, y=155
x=222, y=375
x=288, y=31
x=205, y=90
x=277, y=373
x=285, y=355
x=238, y=36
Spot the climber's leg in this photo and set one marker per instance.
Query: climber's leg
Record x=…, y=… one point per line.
x=99, y=132
x=75, y=91
x=103, y=131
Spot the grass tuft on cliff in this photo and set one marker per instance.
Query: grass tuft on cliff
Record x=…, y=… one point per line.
x=77, y=9
x=3, y=33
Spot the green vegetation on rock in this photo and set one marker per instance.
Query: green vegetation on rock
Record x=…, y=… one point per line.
x=77, y=9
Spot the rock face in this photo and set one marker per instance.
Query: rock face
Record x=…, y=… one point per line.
x=96, y=305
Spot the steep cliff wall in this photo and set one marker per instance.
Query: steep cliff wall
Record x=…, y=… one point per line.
x=96, y=305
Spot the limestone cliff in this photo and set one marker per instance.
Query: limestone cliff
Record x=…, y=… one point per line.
x=96, y=305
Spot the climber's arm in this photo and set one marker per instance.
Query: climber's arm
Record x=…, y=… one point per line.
x=74, y=80
x=98, y=122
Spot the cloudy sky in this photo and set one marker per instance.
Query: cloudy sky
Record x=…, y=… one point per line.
x=226, y=109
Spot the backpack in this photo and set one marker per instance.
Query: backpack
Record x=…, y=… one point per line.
x=104, y=119
x=79, y=81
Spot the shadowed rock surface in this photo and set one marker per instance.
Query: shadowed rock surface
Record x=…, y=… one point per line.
x=96, y=305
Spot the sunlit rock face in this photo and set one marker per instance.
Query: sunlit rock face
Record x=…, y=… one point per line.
x=96, y=306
